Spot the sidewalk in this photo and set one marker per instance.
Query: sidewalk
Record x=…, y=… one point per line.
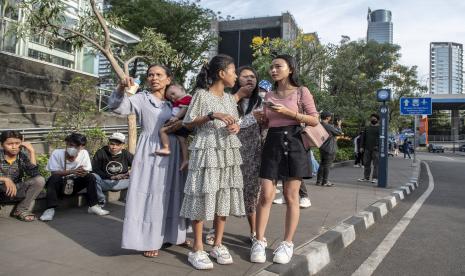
x=76, y=243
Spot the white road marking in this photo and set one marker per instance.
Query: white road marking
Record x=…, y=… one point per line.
x=450, y=158
x=377, y=256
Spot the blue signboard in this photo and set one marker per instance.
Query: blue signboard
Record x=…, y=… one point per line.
x=416, y=106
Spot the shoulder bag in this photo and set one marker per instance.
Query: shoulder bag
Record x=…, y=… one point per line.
x=312, y=136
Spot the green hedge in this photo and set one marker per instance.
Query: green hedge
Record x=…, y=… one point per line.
x=342, y=154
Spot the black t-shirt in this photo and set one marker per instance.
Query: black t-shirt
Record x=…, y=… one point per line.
x=106, y=165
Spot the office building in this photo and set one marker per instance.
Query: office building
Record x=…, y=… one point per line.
x=63, y=54
x=380, y=27
x=235, y=36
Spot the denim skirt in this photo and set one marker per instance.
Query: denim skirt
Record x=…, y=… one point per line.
x=284, y=155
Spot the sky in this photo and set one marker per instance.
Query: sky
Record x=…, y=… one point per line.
x=416, y=23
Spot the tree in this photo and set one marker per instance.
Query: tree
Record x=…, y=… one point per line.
x=90, y=28
x=311, y=57
x=404, y=83
x=186, y=27
x=355, y=72
x=79, y=114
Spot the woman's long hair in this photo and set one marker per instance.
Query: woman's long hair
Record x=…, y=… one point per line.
x=254, y=99
x=210, y=72
x=290, y=60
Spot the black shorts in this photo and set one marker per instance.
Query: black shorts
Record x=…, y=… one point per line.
x=284, y=155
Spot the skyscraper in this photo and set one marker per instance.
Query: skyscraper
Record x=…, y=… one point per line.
x=446, y=68
x=379, y=26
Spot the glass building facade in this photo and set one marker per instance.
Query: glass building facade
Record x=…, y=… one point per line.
x=380, y=28
x=446, y=68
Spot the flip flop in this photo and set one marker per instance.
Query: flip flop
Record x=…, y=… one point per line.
x=25, y=216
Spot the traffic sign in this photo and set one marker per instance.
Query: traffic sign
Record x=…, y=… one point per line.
x=416, y=106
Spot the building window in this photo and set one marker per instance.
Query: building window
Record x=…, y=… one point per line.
x=61, y=45
x=50, y=58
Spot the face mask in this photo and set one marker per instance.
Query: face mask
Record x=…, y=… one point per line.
x=373, y=122
x=73, y=152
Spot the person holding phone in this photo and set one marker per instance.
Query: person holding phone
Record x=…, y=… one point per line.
x=70, y=168
x=17, y=159
x=283, y=156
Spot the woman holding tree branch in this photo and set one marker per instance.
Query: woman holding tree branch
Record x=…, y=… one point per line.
x=156, y=184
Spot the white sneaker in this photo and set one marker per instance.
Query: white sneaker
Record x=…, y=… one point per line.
x=279, y=200
x=210, y=237
x=253, y=238
x=48, y=214
x=221, y=254
x=374, y=180
x=257, y=252
x=96, y=209
x=283, y=254
x=199, y=260
x=305, y=202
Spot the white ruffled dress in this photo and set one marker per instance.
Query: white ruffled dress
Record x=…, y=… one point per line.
x=214, y=183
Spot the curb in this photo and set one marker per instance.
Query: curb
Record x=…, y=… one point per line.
x=312, y=256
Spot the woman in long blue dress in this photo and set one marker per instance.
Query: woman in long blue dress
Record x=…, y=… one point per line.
x=156, y=185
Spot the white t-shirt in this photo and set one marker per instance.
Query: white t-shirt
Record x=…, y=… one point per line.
x=56, y=161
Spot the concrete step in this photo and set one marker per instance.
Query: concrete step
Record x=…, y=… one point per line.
x=79, y=200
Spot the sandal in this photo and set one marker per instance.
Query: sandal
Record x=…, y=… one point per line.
x=150, y=254
x=187, y=243
x=25, y=216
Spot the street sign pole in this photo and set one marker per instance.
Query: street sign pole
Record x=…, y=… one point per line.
x=415, y=139
x=383, y=146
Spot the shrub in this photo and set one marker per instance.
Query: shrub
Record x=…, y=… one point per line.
x=42, y=160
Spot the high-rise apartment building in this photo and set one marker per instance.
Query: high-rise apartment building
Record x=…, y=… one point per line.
x=380, y=27
x=446, y=68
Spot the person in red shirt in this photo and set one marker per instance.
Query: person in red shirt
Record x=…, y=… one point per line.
x=181, y=100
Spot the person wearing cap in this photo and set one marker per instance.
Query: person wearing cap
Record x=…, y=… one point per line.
x=111, y=166
x=328, y=149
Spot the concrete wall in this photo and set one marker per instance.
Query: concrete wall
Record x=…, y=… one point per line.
x=30, y=91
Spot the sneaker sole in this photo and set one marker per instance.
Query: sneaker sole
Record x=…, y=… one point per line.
x=257, y=260
x=280, y=261
x=201, y=268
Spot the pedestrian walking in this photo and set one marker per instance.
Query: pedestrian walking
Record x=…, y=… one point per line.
x=284, y=156
x=328, y=149
x=406, y=149
x=214, y=186
x=155, y=191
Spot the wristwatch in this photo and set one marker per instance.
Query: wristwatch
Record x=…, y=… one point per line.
x=210, y=116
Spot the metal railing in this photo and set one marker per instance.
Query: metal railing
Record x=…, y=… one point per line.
x=39, y=135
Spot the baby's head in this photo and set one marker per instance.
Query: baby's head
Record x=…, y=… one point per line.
x=175, y=92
